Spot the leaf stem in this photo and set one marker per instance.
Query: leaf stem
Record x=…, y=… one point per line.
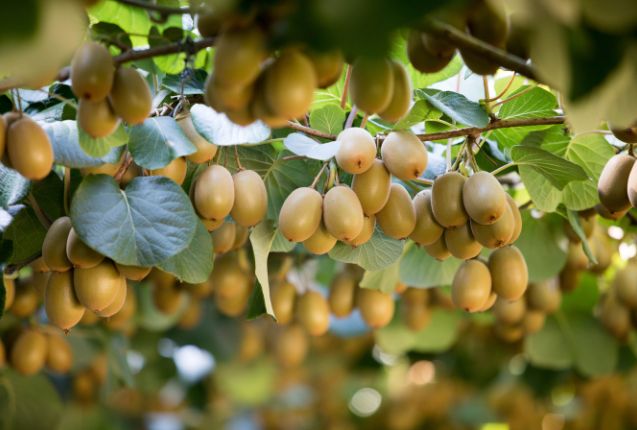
x=423, y=181
x=506, y=88
x=236, y=157
x=502, y=168
x=318, y=175
x=485, y=86
x=514, y=96
x=310, y=131
x=123, y=168
x=348, y=75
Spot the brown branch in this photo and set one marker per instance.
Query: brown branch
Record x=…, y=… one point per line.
x=310, y=131
x=165, y=10
x=123, y=168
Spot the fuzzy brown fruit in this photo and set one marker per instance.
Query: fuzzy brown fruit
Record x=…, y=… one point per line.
x=238, y=57
x=509, y=272
x=461, y=243
x=79, y=253
x=446, y=200
x=484, y=198
x=397, y=219
x=427, y=229
x=404, y=155
x=97, y=118
x=357, y=150
x=60, y=302
x=97, y=287
x=401, y=96
x=214, y=193
x=342, y=294
x=283, y=302
x=29, y=149
x=372, y=84
x=321, y=241
x=471, y=286
x=250, y=198
x=376, y=307
x=205, y=150
x=28, y=353
x=54, y=245
x=342, y=213
x=92, y=72
x=313, y=313
x=301, y=214
x=612, y=186
x=372, y=187
x=130, y=96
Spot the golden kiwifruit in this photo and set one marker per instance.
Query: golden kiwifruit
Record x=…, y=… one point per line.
x=109, y=169
x=376, y=307
x=517, y=219
x=416, y=316
x=313, y=313
x=199, y=290
x=289, y=84
x=357, y=150
x=250, y=198
x=212, y=225
x=422, y=58
x=301, y=214
x=3, y=135
x=233, y=306
x=259, y=108
x=223, y=238
x=631, y=186
x=369, y=225
x=25, y=302
x=446, y=200
x=97, y=119
x=569, y=278
x=175, y=170
x=413, y=295
x=576, y=257
x=162, y=279
x=372, y=187
x=533, y=321
x=544, y=296
x=205, y=150
x=89, y=318
x=9, y=291
x=291, y=346
x=134, y=273
x=461, y=243
x=342, y=294
x=490, y=302
x=241, y=235
x=214, y=193
x=484, y=198
x=612, y=186
x=130, y=96
x=509, y=311
x=238, y=56
x=602, y=249
x=438, y=249
x=28, y=353
x=223, y=97
x=121, y=319
x=321, y=242
x=29, y=149
x=404, y=155
x=54, y=245
x=328, y=66
x=497, y=234
x=628, y=135
x=63, y=309
x=92, y=72
x=97, y=287
x=118, y=302
x=84, y=388
x=607, y=214
x=427, y=229
x=401, y=96
x=471, y=286
x=615, y=317
x=209, y=24
x=509, y=272
x=625, y=285
x=59, y=356
x=371, y=84
x=397, y=219
x=241, y=117
x=191, y=316
x=228, y=279
x=38, y=281
x=342, y=213
x=283, y=302
x=509, y=333
x=79, y=253
x=169, y=300
x=252, y=343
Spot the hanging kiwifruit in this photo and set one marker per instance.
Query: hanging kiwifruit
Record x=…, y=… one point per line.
x=54, y=245
x=313, y=313
x=79, y=253
x=446, y=200
x=471, y=286
x=92, y=72
x=421, y=57
x=519, y=39
x=223, y=238
x=397, y=219
x=225, y=98
x=9, y=291
x=625, y=285
x=497, y=234
x=401, y=96
x=415, y=308
x=214, y=193
x=260, y=109
x=587, y=225
x=404, y=155
x=427, y=229
x=631, y=186
x=489, y=303
x=371, y=84
x=376, y=307
x=544, y=296
x=438, y=249
x=97, y=287
x=63, y=309
x=109, y=169
x=29, y=149
x=509, y=272
x=290, y=346
x=134, y=273
x=533, y=321
x=356, y=151
x=342, y=294
x=509, y=311
x=484, y=198
x=118, y=301
x=369, y=225
x=199, y=290
x=205, y=150
x=615, y=316
x=628, y=135
x=300, y=214
x=283, y=301
x=252, y=343
x=372, y=187
x=342, y=213
x=28, y=353
x=122, y=319
x=96, y=118
x=238, y=56
x=517, y=219
x=321, y=242
x=25, y=301
x=250, y=198
x=612, y=186
x=175, y=170
x=130, y=96
x=59, y=356
x=191, y=316
x=227, y=277
x=328, y=66
x=461, y=243
x=241, y=235
x=170, y=300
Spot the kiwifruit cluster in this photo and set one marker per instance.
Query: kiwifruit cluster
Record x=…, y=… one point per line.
x=107, y=94
x=87, y=381
x=617, y=186
x=310, y=309
x=25, y=146
x=232, y=283
x=31, y=349
x=617, y=309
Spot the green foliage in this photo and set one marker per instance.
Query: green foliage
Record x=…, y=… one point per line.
x=158, y=141
x=328, y=119
x=456, y=106
x=540, y=245
x=26, y=235
x=194, y=263
x=419, y=269
x=378, y=253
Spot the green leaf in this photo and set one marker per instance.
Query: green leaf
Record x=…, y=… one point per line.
x=256, y=303
x=384, y=280
x=573, y=220
x=26, y=234
x=36, y=403
x=419, y=269
x=261, y=238
x=13, y=187
x=558, y=171
x=300, y=144
x=378, y=253
x=547, y=348
x=149, y=222
x=544, y=195
x=49, y=194
x=456, y=106
x=193, y=82
x=328, y=119
x=194, y=263
x=218, y=129
x=152, y=319
x=532, y=102
x=158, y=141
x=117, y=363
x=131, y=19
x=101, y=147
x=539, y=242
x=419, y=112
x=171, y=63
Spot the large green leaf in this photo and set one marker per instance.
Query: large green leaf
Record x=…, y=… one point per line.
x=13, y=187
x=261, y=238
x=539, y=243
x=328, y=119
x=418, y=113
x=548, y=347
x=133, y=20
x=419, y=269
x=49, y=194
x=149, y=222
x=158, y=141
x=218, y=129
x=544, y=195
x=556, y=170
x=194, y=263
x=35, y=402
x=103, y=146
x=456, y=106
x=26, y=234
x=378, y=253
x=384, y=280
x=531, y=103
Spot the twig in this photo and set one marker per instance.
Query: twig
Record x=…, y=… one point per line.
x=293, y=157
x=485, y=85
x=515, y=96
x=364, y=121
x=236, y=157
x=525, y=205
x=318, y=175
x=123, y=168
x=311, y=131
x=350, y=118
x=14, y=267
x=165, y=10
x=503, y=92
x=44, y=220
x=348, y=75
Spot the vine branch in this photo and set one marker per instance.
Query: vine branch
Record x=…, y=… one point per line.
x=309, y=130
x=166, y=10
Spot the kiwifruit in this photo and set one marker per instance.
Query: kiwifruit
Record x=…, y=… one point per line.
x=250, y=198
x=289, y=83
x=169, y=300
x=223, y=238
x=446, y=200
x=233, y=306
x=214, y=193
x=118, y=302
x=175, y=170
x=109, y=169
x=517, y=219
x=223, y=97
x=241, y=235
x=25, y=302
x=427, y=229
x=461, y=243
x=328, y=66
x=587, y=225
x=97, y=287
x=252, y=343
x=421, y=57
x=628, y=135
x=471, y=286
x=401, y=96
x=3, y=135
x=533, y=321
x=89, y=318
x=301, y=214
x=238, y=56
x=191, y=316
x=134, y=273
x=313, y=313
x=28, y=353
x=509, y=333
x=212, y=225
x=29, y=149
x=375, y=306
x=200, y=290
x=205, y=150
x=92, y=72
x=615, y=317
x=569, y=278
x=80, y=254
x=372, y=187
x=283, y=301
x=397, y=218
x=575, y=257
x=509, y=311
x=497, y=234
x=63, y=309
x=38, y=281
x=54, y=245
x=357, y=150
x=416, y=314
x=342, y=213
x=259, y=108
x=544, y=296
x=130, y=96
x=484, y=198
x=631, y=186
x=9, y=291
x=625, y=285
x=162, y=279
x=209, y=24
x=242, y=117
x=3, y=355
x=321, y=242
x=369, y=225
x=342, y=294
x=371, y=84
x=607, y=214
x=438, y=249
x=509, y=272
x=490, y=302
x=404, y=155
x=290, y=346
x=612, y=186
x=84, y=388
x=97, y=119
x=227, y=277
x=59, y=356
x=603, y=250
x=120, y=320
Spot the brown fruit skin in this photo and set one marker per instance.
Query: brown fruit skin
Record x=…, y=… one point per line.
x=371, y=84
x=227, y=97
x=283, y=302
x=232, y=306
x=569, y=279
x=321, y=242
x=509, y=333
x=369, y=225
x=118, y=302
x=628, y=135
x=121, y=319
x=169, y=300
x=205, y=150
x=471, y=286
x=212, y=225
x=59, y=356
x=438, y=249
x=214, y=193
x=259, y=108
x=60, y=302
x=509, y=311
x=191, y=316
x=342, y=294
x=130, y=96
x=250, y=198
x=28, y=353
x=200, y=290
x=416, y=314
x=328, y=66
x=544, y=296
x=427, y=229
x=497, y=234
x=300, y=214
x=291, y=346
x=490, y=302
x=607, y=214
x=404, y=155
x=398, y=218
x=615, y=317
x=484, y=198
x=54, y=245
x=238, y=56
x=625, y=285
x=252, y=343
x=97, y=287
x=97, y=119
x=461, y=243
x=509, y=272
x=289, y=84
x=9, y=288
x=342, y=213
x=223, y=238
x=533, y=321
x=612, y=186
x=241, y=235
x=313, y=313
x=109, y=169
x=517, y=219
x=422, y=58
x=228, y=279
x=487, y=22
x=401, y=96
x=357, y=150
x=80, y=254
x=92, y=72
x=29, y=149
x=175, y=170
x=372, y=187
x=446, y=200
x=631, y=186
x=134, y=273
x=376, y=307
x=25, y=301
